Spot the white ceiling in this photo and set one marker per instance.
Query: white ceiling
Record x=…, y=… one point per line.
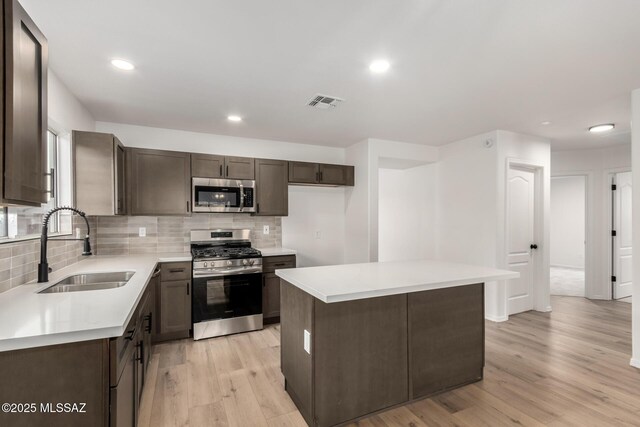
x=459, y=67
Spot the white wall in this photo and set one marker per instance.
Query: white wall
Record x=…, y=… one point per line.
x=635, y=143
x=362, y=202
x=471, y=206
x=315, y=226
x=311, y=209
x=597, y=165
x=568, y=221
x=406, y=213
x=65, y=112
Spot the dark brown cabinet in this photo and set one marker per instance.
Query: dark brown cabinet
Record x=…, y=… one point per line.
x=173, y=308
x=23, y=71
x=158, y=182
x=306, y=173
x=212, y=166
x=272, y=187
x=271, y=285
x=99, y=173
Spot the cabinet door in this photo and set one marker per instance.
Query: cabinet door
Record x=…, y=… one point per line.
x=175, y=301
x=25, y=115
x=303, y=173
x=159, y=182
x=272, y=187
x=120, y=174
x=123, y=396
x=207, y=166
x=336, y=174
x=270, y=296
x=239, y=168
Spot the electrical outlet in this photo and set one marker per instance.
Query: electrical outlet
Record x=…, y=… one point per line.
x=142, y=231
x=265, y=229
x=307, y=341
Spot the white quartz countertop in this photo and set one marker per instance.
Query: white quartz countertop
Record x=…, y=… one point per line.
x=349, y=282
x=276, y=251
x=29, y=319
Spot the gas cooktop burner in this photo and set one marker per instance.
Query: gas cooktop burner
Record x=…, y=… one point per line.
x=224, y=252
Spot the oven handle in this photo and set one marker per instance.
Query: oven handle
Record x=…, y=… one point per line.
x=226, y=272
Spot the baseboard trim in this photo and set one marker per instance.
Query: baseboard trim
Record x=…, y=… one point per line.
x=635, y=363
x=570, y=267
x=496, y=319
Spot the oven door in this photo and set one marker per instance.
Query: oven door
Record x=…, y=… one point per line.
x=222, y=195
x=224, y=297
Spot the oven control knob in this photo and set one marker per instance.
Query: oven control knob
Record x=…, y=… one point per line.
x=251, y=262
x=205, y=264
x=245, y=262
x=229, y=263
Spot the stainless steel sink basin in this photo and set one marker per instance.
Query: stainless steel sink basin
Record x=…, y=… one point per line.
x=90, y=282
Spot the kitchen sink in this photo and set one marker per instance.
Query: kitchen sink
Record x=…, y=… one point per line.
x=90, y=282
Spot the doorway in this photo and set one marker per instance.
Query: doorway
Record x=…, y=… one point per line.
x=568, y=235
x=622, y=253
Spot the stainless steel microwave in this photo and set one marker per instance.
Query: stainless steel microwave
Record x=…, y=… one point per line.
x=223, y=195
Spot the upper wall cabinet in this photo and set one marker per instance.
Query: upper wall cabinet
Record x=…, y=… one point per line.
x=99, y=173
x=272, y=190
x=212, y=166
x=24, y=108
x=158, y=182
x=305, y=173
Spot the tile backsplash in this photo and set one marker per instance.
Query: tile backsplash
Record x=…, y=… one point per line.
x=119, y=235
x=19, y=260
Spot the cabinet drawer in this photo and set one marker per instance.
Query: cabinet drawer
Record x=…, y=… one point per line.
x=122, y=348
x=273, y=263
x=175, y=271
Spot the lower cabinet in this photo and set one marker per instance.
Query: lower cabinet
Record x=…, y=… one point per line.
x=271, y=285
x=173, y=303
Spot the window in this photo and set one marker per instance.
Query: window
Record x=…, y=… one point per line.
x=25, y=222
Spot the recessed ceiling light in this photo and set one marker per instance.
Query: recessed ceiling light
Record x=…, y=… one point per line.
x=379, y=66
x=234, y=118
x=602, y=128
x=545, y=123
x=122, y=64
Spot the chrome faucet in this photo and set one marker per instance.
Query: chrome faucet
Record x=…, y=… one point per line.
x=43, y=267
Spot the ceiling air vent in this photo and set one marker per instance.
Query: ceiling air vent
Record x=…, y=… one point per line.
x=324, y=102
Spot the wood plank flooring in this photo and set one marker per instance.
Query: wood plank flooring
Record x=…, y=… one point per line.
x=566, y=368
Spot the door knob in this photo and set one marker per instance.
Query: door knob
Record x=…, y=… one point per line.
x=533, y=246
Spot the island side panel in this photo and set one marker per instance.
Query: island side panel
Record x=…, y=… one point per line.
x=296, y=315
x=360, y=357
x=446, y=333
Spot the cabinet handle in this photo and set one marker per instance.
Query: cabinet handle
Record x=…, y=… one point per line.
x=140, y=347
x=280, y=264
x=176, y=270
x=131, y=333
x=187, y=288
x=257, y=207
x=149, y=318
x=317, y=176
x=188, y=206
x=220, y=170
x=227, y=174
x=320, y=176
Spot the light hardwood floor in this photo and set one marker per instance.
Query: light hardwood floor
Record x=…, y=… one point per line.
x=566, y=368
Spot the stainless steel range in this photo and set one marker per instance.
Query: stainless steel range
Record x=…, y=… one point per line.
x=227, y=283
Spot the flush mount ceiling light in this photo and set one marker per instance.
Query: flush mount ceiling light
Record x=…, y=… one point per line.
x=122, y=64
x=233, y=118
x=379, y=66
x=602, y=128
x=545, y=123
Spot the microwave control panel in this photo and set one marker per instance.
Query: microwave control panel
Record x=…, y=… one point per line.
x=248, y=197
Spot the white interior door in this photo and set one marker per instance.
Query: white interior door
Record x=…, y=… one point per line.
x=622, y=246
x=521, y=236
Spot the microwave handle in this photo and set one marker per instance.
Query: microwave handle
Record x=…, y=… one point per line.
x=241, y=197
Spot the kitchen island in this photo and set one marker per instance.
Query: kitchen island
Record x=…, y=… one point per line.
x=359, y=338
